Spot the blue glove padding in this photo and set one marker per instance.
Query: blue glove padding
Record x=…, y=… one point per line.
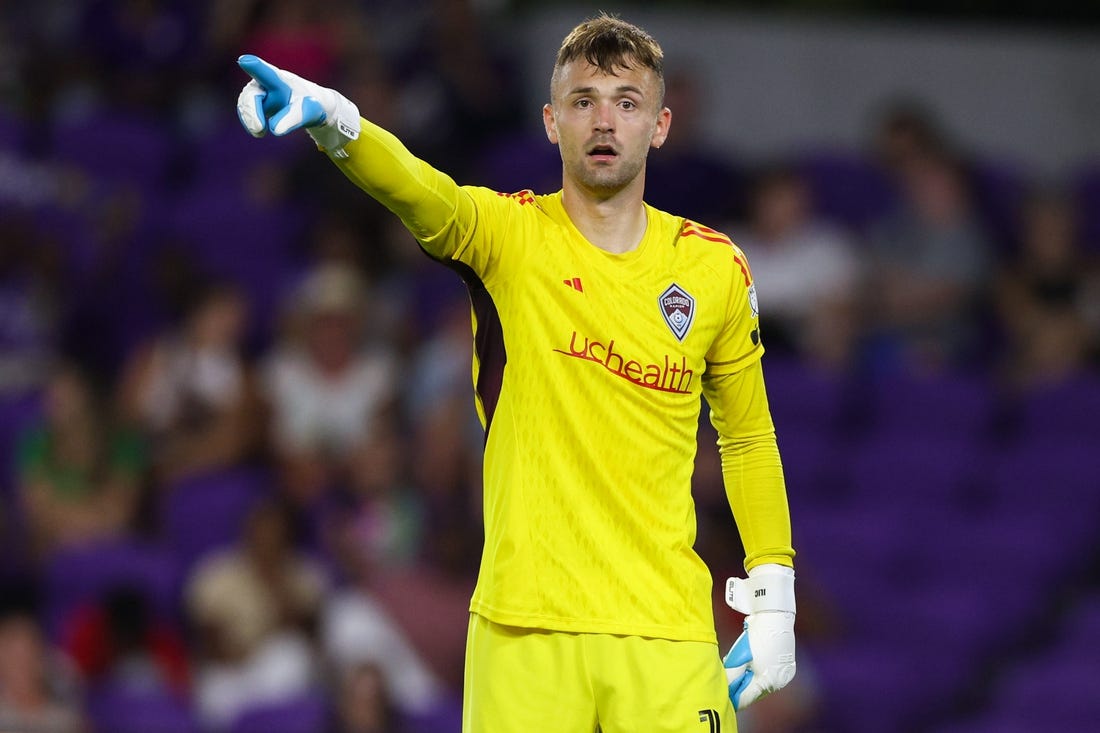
x=737, y=667
x=277, y=101
x=273, y=102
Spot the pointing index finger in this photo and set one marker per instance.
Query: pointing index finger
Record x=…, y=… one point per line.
x=263, y=72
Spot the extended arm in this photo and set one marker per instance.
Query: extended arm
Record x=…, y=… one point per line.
x=430, y=204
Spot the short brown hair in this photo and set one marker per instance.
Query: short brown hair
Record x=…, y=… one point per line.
x=610, y=43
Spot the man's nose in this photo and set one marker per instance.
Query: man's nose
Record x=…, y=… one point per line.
x=605, y=118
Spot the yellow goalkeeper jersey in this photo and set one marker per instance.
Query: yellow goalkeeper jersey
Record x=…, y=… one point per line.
x=588, y=373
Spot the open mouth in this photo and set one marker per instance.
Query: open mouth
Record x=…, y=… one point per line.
x=602, y=152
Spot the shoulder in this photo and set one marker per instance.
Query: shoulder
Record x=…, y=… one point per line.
x=715, y=246
x=503, y=201
x=501, y=208
x=526, y=197
x=694, y=232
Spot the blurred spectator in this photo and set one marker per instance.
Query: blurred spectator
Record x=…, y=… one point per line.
x=34, y=695
x=324, y=385
x=102, y=321
x=687, y=175
x=439, y=372
x=139, y=49
x=118, y=642
x=27, y=306
x=306, y=37
x=807, y=273
x=458, y=86
x=447, y=478
x=1048, y=297
x=255, y=609
x=191, y=390
x=383, y=521
x=906, y=131
x=376, y=540
x=80, y=477
x=932, y=264
x=357, y=630
x=363, y=702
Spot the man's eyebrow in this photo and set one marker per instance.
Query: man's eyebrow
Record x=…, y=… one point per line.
x=620, y=89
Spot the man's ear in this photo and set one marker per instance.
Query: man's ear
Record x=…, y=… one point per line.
x=660, y=130
x=549, y=123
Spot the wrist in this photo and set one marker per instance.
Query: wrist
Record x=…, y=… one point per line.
x=769, y=588
x=341, y=124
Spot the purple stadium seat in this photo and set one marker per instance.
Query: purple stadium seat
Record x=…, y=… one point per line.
x=1080, y=635
x=116, y=148
x=226, y=152
x=830, y=544
x=17, y=413
x=521, y=162
x=234, y=238
x=129, y=711
x=225, y=224
x=921, y=473
x=1054, y=482
x=1086, y=190
x=1002, y=549
x=79, y=575
x=206, y=512
x=696, y=182
x=964, y=615
x=847, y=187
x=953, y=405
x=444, y=718
x=1000, y=187
x=802, y=397
x=987, y=724
x=815, y=468
x=12, y=133
x=870, y=687
x=1064, y=410
x=305, y=714
x=1051, y=694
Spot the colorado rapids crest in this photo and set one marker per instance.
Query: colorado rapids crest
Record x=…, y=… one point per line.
x=678, y=309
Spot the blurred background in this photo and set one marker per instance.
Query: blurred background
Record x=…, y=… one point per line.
x=239, y=462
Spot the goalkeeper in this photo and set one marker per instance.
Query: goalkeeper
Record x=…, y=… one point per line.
x=599, y=322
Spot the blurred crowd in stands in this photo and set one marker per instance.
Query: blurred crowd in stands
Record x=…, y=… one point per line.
x=218, y=353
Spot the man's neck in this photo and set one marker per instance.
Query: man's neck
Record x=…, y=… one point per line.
x=615, y=224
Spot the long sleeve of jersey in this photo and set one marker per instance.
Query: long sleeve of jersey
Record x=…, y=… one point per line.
x=751, y=467
x=426, y=200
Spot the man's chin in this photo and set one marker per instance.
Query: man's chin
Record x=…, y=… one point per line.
x=606, y=181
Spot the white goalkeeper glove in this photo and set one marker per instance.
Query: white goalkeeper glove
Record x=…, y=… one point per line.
x=279, y=102
x=762, y=659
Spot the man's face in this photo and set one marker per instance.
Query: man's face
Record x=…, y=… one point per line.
x=604, y=125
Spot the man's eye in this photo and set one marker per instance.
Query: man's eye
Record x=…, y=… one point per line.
x=584, y=103
x=627, y=104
